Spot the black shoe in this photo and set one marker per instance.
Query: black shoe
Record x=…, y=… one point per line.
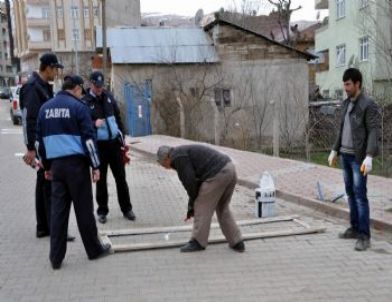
x=350, y=233
x=362, y=244
x=55, y=265
x=70, y=238
x=192, y=246
x=129, y=215
x=239, y=247
x=102, y=218
x=106, y=250
x=41, y=234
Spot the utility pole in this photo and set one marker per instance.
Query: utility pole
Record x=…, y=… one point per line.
x=74, y=37
x=104, y=46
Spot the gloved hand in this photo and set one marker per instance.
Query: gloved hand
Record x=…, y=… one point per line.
x=332, y=158
x=367, y=165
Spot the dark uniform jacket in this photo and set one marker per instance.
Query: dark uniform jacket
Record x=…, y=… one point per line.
x=105, y=107
x=195, y=164
x=365, y=126
x=65, y=129
x=33, y=95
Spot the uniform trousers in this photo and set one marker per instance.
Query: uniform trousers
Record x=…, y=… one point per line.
x=72, y=183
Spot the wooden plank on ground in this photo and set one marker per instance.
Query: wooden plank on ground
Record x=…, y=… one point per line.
x=251, y=236
x=176, y=229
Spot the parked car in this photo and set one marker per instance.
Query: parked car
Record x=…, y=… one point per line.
x=5, y=93
x=15, y=112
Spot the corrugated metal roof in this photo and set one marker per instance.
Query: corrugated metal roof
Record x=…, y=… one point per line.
x=157, y=45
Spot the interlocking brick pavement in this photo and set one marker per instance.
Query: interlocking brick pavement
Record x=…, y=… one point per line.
x=316, y=267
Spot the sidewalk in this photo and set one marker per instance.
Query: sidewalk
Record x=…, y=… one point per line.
x=295, y=181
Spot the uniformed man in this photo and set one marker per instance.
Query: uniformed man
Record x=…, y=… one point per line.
x=209, y=178
x=67, y=147
x=109, y=128
x=35, y=92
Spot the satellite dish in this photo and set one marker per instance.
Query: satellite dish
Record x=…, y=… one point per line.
x=199, y=17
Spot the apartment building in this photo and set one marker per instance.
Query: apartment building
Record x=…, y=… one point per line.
x=66, y=27
x=356, y=34
x=7, y=72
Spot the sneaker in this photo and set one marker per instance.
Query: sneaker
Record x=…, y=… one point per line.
x=362, y=244
x=102, y=218
x=350, y=233
x=130, y=215
x=239, y=247
x=192, y=246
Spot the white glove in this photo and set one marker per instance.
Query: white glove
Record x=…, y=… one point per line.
x=332, y=158
x=367, y=165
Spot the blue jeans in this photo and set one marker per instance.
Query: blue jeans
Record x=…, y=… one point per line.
x=356, y=191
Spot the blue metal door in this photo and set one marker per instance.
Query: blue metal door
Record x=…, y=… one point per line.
x=138, y=99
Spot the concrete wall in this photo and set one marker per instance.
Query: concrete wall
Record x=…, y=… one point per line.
x=123, y=13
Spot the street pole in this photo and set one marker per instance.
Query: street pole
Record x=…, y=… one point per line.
x=75, y=41
x=104, y=46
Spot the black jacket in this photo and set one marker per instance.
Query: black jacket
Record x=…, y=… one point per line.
x=365, y=121
x=33, y=95
x=105, y=107
x=195, y=164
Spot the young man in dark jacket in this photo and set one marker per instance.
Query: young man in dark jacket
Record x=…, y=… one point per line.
x=33, y=95
x=109, y=129
x=357, y=145
x=67, y=147
x=209, y=177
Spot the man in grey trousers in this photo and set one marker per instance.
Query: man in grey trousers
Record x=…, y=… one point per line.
x=209, y=177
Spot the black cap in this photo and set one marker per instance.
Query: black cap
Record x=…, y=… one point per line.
x=97, y=78
x=51, y=60
x=74, y=79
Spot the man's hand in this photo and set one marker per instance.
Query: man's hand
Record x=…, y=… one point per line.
x=332, y=158
x=48, y=175
x=29, y=157
x=99, y=122
x=367, y=165
x=96, y=175
x=189, y=215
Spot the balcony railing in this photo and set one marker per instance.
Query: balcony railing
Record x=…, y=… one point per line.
x=321, y=4
x=37, y=22
x=37, y=45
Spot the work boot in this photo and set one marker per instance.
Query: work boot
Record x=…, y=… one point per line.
x=192, y=246
x=363, y=243
x=102, y=218
x=239, y=247
x=129, y=215
x=350, y=233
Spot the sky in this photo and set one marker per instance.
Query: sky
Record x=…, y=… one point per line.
x=189, y=7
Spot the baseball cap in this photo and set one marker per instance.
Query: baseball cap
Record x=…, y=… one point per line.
x=51, y=60
x=97, y=78
x=74, y=79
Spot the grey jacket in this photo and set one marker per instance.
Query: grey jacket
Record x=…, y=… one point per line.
x=365, y=126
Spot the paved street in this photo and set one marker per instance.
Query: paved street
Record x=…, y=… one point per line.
x=316, y=267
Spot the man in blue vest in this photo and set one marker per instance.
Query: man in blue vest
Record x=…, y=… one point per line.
x=109, y=128
x=67, y=147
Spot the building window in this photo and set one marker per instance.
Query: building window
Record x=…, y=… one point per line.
x=222, y=97
x=61, y=34
x=9, y=68
x=326, y=93
x=364, y=49
x=340, y=55
x=60, y=11
x=75, y=34
x=46, y=34
x=96, y=11
x=340, y=8
x=363, y=3
x=74, y=12
x=339, y=94
x=86, y=12
x=194, y=92
x=45, y=12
